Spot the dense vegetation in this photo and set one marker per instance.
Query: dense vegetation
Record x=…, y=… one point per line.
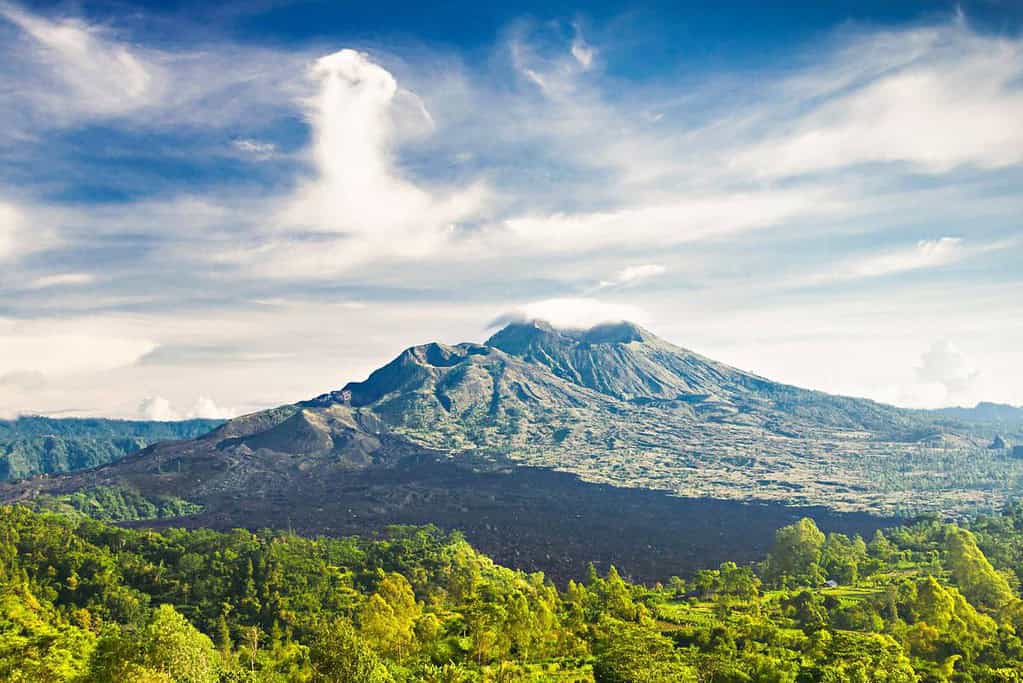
x=84, y=601
x=111, y=504
x=46, y=445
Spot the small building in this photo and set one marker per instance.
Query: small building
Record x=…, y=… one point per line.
x=831, y=583
x=998, y=443
x=1017, y=451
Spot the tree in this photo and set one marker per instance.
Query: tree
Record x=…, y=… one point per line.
x=796, y=554
x=173, y=646
x=706, y=583
x=738, y=583
x=979, y=582
x=338, y=655
x=628, y=653
x=167, y=648
x=616, y=597
x=841, y=557
x=808, y=611
x=389, y=617
x=36, y=644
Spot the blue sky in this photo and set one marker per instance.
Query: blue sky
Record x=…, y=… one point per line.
x=207, y=209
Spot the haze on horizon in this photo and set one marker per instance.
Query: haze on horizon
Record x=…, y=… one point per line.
x=208, y=211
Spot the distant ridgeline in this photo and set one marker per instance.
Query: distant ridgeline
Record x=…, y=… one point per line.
x=46, y=445
x=988, y=413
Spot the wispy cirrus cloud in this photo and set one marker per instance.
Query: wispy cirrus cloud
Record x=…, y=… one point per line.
x=673, y=222
x=67, y=71
x=924, y=255
x=10, y=225
x=62, y=280
x=257, y=148
x=896, y=97
x=69, y=62
x=631, y=275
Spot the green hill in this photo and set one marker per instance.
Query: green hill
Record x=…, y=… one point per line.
x=46, y=445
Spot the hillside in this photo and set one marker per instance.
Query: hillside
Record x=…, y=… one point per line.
x=47, y=445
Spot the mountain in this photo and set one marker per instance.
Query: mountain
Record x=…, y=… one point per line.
x=525, y=440
x=987, y=413
x=33, y=445
x=531, y=381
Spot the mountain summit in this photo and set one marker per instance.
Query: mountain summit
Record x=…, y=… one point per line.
x=621, y=360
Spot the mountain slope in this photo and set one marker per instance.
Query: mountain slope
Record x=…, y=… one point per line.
x=629, y=363
x=612, y=405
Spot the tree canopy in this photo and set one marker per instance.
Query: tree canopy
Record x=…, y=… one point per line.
x=85, y=602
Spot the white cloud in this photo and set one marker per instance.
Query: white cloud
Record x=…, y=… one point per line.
x=25, y=381
x=925, y=254
x=682, y=220
x=89, y=70
x=583, y=52
x=260, y=149
x=936, y=98
x=641, y=272
x=26, y=229
x=358, y=196
x=634, y=274
x=577, y=312
x=943, y=363
x=552, y=68
x=10, y=225
x=160, y=409
x=206, y=408
x=63, y=71
x=64, y=348
x=62, y=280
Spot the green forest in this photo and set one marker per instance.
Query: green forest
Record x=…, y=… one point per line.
x=84, y=601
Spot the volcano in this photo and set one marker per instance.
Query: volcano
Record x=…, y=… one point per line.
x=534, y=418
